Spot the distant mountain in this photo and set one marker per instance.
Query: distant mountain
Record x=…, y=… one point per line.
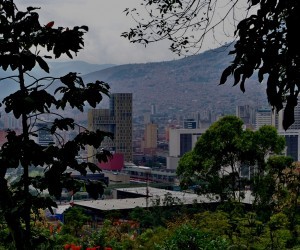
x=62, y=68
x=178, y=87
x=57, y=69
x=182, y=86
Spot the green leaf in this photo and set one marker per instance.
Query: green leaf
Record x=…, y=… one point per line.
x=225, y=74
x=42, y=64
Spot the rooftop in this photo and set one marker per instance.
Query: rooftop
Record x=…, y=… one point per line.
x=154, y=193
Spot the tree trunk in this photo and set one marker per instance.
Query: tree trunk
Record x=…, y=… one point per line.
x=12, y=220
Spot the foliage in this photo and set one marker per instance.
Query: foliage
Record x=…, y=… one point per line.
x=146, y=218
x=267, y=186
x=268, y=44
x=22, y=45
x=267, y=40
x=220, y=154
x=215, y=223
x=152, y=236
x=185, y=24
x=277, y=191
x=188, y=237
x=75, y=218
x=218, y=229
x=277, y=234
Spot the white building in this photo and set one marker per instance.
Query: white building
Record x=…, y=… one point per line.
x=263, y=117
x=181, y=141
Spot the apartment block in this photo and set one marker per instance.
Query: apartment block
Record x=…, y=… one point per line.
x=117, y=120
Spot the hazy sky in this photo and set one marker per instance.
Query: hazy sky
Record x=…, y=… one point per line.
x=106, y=22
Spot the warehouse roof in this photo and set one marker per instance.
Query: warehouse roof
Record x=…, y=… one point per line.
x=155, y=195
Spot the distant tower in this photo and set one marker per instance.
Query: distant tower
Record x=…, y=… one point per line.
x=150, y=139
x=247, y=114
x=263, y=117
x=118, y=120
x=153, y=109
x=190, y=123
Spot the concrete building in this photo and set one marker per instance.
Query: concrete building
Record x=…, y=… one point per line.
x=44, y=136
x=292, y=134
x=181, y=141
x=117, y=120
x=127, y=199
x=263, y=117
x=190, y=123
x=149, y=144
x=247, y=114
x=292, y=139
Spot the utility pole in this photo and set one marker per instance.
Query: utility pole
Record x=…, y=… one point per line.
x=147, y=171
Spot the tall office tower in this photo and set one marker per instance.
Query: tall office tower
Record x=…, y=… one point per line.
x=117, y=120
x=150, y=139
x=247, y=114
x=263, y=117
x=190, y=123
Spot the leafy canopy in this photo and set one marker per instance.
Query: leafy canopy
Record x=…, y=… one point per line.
x=222, y=152
x=266, y=34
x=24, y=45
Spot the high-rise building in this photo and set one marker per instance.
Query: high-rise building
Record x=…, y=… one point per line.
x=263, y=117
x=150, y=139
x=117, y=120
x=190, y=123
x=247, y=114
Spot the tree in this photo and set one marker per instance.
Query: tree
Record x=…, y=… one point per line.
x=185, y=24
x=278, y=192
x=75, y=218
x=268, y=187
x=267, y=40
x=186, y=236
x=215, y=159
x=24, y=45
x=220, y=154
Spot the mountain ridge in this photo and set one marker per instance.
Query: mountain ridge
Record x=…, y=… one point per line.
x=182, y=86
x=176, y=87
